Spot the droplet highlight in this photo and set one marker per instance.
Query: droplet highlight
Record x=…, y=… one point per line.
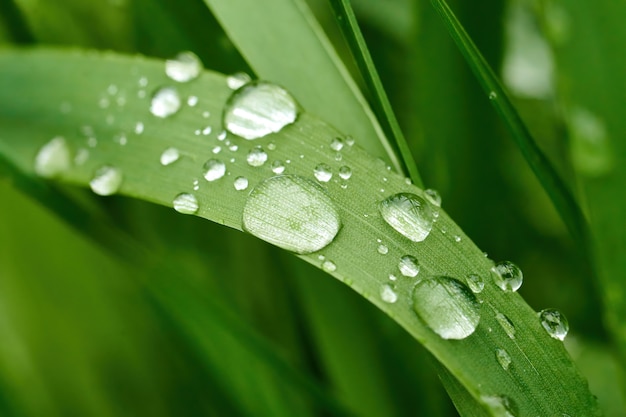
x=409, y=214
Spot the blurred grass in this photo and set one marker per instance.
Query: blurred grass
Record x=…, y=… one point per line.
x=436, y=99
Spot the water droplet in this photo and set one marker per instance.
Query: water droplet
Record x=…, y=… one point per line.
x=506, y=324
x=408, y=214
x=112, y=89
x=409, y=266
x=53, y=158
x=139, y=128
x=329, y=266
x=345, y=172
x=222, y=135
x=457, y=238
x=554, y=322
x=278, y=167
x=241, y=183
x=256, y=157
x=237, y=80
x=184, y=67
x=323, y=172
x=214, y=169
x=589, y=143
x=207, y=131
x=503, y=358
x=392, y=277
x=447, y=306
x=493, y=95
x=475, y=282
x=196, y=185
x=165, y=102
x=206, y=114
x=433, y=197
x=121, y=139
x=349, y=140
x=500, y=405
x=271, y=146
x=507, y=276
x=233, y=148
x=259, y=109
x=293, y=213
x=106, y=181
x=169, y=156
x=92, y=142
x=185, y=203
x=336, y=144
x=192, y=101
x=383, y=249
x=82, y=155
x=387, y=294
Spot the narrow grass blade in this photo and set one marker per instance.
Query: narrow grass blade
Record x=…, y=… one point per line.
x=555, y=187
x=59, y=94
x=380, y=102
x=12, y=19
x=319, y=79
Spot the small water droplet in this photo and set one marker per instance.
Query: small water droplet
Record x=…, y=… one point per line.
x=216, y=149
x=278, y=167
x=169, y=156
x=82, y=155
x=433, y=197
x=447, y=306
x=53, y=158
x=409, y=266
x=256, y=157
x=143, y=82
x=165, y=102
x=185, y=67
x=475, y=282
x=503, y=358
x=233, y=148
x=500, y=405
x=507, y=276
x=589, y=143
x=392, y=277
x=240, y=183
x=258, y=109
x=214, y=169
x=120, y=139
x=104, y=103
x=106, y=181
x=493, y=95
x=408, y=214
x=293, y=213
x=387, y=294
x=196, y=185
x=383, y=249
x=237, y=80
x=206, y=114
x=329, y=266
x=323, y=172
x=554, y=322
x=336, y=144
x=112, y=89
x=139, y=128
x=222, y=135
x=207, y=131
x=506, y=324
x=271, y=146
x=185, y=203
x=192, y=101
x=345, y=172
x=92, y=142
x=457, y=238
x=349, y=140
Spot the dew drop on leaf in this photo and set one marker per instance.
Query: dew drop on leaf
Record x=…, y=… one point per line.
x=433, y=197
x=554, y=322
x=329, y=266
x=237, y=80
x=323, y=172
x=165, y=102
x=383, y=249
x=214, y=169
x=53, y=158
x=336, y=144
x=500, y=405
x=185, y=203
x=408, y=214
x=185, y=67
x=506, y=324
x=345, y=172
x=409, y=266
x=258, y=109
x=256, y=157
x=278, y=167
x=387, y=294
x=503, y=358
x=240, y=183
x=106, y=181
x=475, y=282
x=447, y=306
x=169, y=156
x=291, y=212
x=507, y=276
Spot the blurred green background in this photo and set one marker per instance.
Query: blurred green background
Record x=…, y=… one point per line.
x=225, y=324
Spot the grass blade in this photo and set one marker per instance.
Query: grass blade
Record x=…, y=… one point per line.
x=17, y=27
x=555, y=187
x=382, y=106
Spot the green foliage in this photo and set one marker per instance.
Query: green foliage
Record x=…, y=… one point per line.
x=113, y=306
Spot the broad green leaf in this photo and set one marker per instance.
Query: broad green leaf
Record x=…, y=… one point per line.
x=47, y=93
x=319, y=79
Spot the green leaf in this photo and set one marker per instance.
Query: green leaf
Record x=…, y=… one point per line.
x=47, y=93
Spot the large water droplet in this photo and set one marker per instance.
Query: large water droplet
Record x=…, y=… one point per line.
x=554, y=322
x=409, y=266
x=185, y=203
x=408, y=214
x=214, y=169
x=507, y=276
x=291, y=212
x=500, y=405
x=106, y=181
x=259, y=109
x=169, y=156
x=447, y=306
x=165, y=102
x=185, y=67
x=323, y=172
x=387, y=294
x=256, y=157
x=506, y=324
x=53, y=158
x=503, y=358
